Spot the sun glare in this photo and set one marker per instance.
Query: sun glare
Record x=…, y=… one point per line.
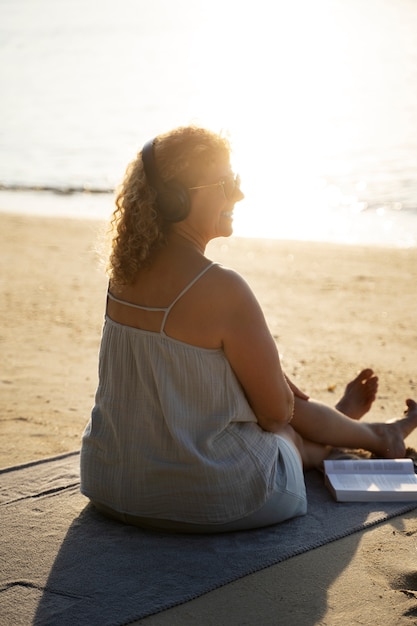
x=283, y=80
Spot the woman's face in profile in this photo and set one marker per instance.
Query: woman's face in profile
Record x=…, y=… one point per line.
x=213, y=199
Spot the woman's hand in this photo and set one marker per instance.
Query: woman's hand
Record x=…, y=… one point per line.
x=297, y=392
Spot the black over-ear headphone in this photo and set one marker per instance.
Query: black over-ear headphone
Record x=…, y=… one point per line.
x=172, y=199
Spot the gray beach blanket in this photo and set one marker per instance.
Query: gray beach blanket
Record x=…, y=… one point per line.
x=64, y=564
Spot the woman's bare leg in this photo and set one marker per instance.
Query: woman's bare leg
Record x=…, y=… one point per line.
x=318, y=428
x=312, y=454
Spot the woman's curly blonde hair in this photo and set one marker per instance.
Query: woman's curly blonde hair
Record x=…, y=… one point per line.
x=136, y=227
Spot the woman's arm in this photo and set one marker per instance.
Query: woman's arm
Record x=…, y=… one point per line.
x=253, y=354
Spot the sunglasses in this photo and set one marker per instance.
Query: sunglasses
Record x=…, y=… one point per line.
x=229, y=184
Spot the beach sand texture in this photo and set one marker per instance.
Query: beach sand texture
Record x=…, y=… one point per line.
x=332, y=309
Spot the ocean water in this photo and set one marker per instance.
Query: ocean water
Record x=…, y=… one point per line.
x=320, y=100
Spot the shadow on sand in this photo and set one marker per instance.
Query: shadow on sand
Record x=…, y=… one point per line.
x=65, y=564
x=108, y=573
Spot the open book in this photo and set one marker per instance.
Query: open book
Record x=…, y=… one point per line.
x=379, y=480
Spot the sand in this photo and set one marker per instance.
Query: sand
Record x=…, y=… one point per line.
x=333, y=309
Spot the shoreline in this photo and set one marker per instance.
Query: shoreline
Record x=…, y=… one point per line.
x=375, y=228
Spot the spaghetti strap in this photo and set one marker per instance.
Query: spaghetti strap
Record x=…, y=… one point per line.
x=161, y=309
x=183, y=292
x=134, y=306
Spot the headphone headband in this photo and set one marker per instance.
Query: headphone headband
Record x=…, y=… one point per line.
x=172, y=199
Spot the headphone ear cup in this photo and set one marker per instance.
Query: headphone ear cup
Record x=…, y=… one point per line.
x=173, y=202
x=172, y=199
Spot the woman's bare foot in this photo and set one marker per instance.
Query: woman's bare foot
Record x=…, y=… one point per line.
x=359, y=395
x=391, y=435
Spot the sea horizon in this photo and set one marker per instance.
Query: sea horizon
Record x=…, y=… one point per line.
x=369, y=228
x=321, y=107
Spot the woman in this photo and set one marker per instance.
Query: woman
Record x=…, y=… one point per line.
x=195, y=426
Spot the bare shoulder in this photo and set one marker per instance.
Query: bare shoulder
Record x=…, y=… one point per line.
x=215, y=309
x=229, y=283
x=230, y=294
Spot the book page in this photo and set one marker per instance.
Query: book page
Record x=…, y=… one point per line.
x=374, y=482
x=370, y=466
